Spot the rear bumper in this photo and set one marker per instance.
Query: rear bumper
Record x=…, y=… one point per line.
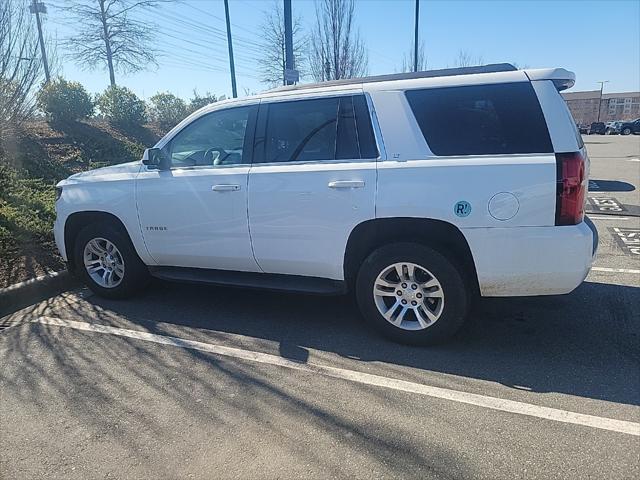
x=595, y=239
x=529, y=261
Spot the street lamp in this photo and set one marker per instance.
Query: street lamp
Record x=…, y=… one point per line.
x=600, y=99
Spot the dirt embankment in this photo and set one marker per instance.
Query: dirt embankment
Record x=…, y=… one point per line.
x=31, y=162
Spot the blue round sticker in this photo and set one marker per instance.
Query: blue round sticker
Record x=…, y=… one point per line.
x=462, y=208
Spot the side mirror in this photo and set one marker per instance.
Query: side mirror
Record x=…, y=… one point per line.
x=155, y=157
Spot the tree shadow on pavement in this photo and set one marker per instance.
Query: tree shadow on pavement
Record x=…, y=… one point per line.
x=583, y=344
x=141, y=402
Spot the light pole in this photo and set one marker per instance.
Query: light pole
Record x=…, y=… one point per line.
x=415, y=37
x=232, y=66
x=37, y=8
x=600, y=99
x=288, y=41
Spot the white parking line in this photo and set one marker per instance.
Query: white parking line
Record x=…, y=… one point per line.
x=634, y=159
x=511, y=406
x=615, y=270
x=607, y=217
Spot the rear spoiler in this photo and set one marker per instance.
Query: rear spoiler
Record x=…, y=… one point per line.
x=560, y=77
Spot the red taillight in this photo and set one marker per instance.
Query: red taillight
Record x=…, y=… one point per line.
x=571, y=188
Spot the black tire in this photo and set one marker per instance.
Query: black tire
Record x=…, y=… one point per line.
x=136, y=275
x=457, y=293
x=626, y=131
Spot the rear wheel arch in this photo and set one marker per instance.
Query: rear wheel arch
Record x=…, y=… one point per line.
x=77, y=221
x=440, y=235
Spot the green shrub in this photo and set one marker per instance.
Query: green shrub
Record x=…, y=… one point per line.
x=120, y=106
x=27, y=210
x=166, y=109
x=61, y=100
x=197, y=101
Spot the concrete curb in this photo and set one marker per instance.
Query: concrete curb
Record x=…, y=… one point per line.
x=23, y=294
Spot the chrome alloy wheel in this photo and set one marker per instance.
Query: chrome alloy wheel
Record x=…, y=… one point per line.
x=104, y=262
x=408, y=296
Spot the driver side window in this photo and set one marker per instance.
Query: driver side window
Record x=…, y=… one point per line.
x=216, y=139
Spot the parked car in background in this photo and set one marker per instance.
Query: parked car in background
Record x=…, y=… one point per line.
x=612, y=128
x=415, y=192
x=627, y=128
x=598, y=128
x=583, y=128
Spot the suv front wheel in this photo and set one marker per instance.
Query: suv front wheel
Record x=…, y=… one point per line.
x=412, y=293
x=107, y=262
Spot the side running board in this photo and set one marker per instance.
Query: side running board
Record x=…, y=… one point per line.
x=267, y=281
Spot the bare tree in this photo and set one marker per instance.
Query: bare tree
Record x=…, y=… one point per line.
x=407, y=59
x=20, y=65
x=110, y=37
x=272, y=63
x=466, y=59
x=336, y=48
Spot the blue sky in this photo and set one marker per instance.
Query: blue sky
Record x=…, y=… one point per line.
x=598, y=40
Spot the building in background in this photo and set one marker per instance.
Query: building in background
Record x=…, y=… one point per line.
x=614, y=106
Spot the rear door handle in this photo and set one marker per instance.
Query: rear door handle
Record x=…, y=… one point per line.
x=225, y=188
x=346, y=184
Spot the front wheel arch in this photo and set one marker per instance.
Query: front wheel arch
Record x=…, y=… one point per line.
x=77, y=221
x=120, y=262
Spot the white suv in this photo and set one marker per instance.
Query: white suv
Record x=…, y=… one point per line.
x=414, y=191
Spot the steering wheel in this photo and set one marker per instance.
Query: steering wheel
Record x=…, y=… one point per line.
x=222, y=155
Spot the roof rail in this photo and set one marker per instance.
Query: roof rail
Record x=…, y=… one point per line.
x=445, y=72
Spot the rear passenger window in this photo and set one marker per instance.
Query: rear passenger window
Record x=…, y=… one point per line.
x=347, y=138
x=301, y=131
x=481, y=119
x=323, y=129
x=367, y=141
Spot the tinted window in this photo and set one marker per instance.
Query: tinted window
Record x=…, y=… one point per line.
x=215, y=139
x=323, y=129
x=481, y=120
x=346, y=141
x=301, y=131
x=366, y=140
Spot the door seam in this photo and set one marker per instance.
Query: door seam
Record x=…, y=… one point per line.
x=135, y=197
x=253, y=252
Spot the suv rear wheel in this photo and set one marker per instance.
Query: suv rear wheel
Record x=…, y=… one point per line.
x=107, y=261
x=412, y=293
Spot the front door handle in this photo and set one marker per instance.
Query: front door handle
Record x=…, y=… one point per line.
x=346, y=184
x=225, y=188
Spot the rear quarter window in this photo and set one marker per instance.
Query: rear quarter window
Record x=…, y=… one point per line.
x=501, y=118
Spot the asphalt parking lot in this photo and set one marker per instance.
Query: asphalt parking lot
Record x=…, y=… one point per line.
x=200, y=382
